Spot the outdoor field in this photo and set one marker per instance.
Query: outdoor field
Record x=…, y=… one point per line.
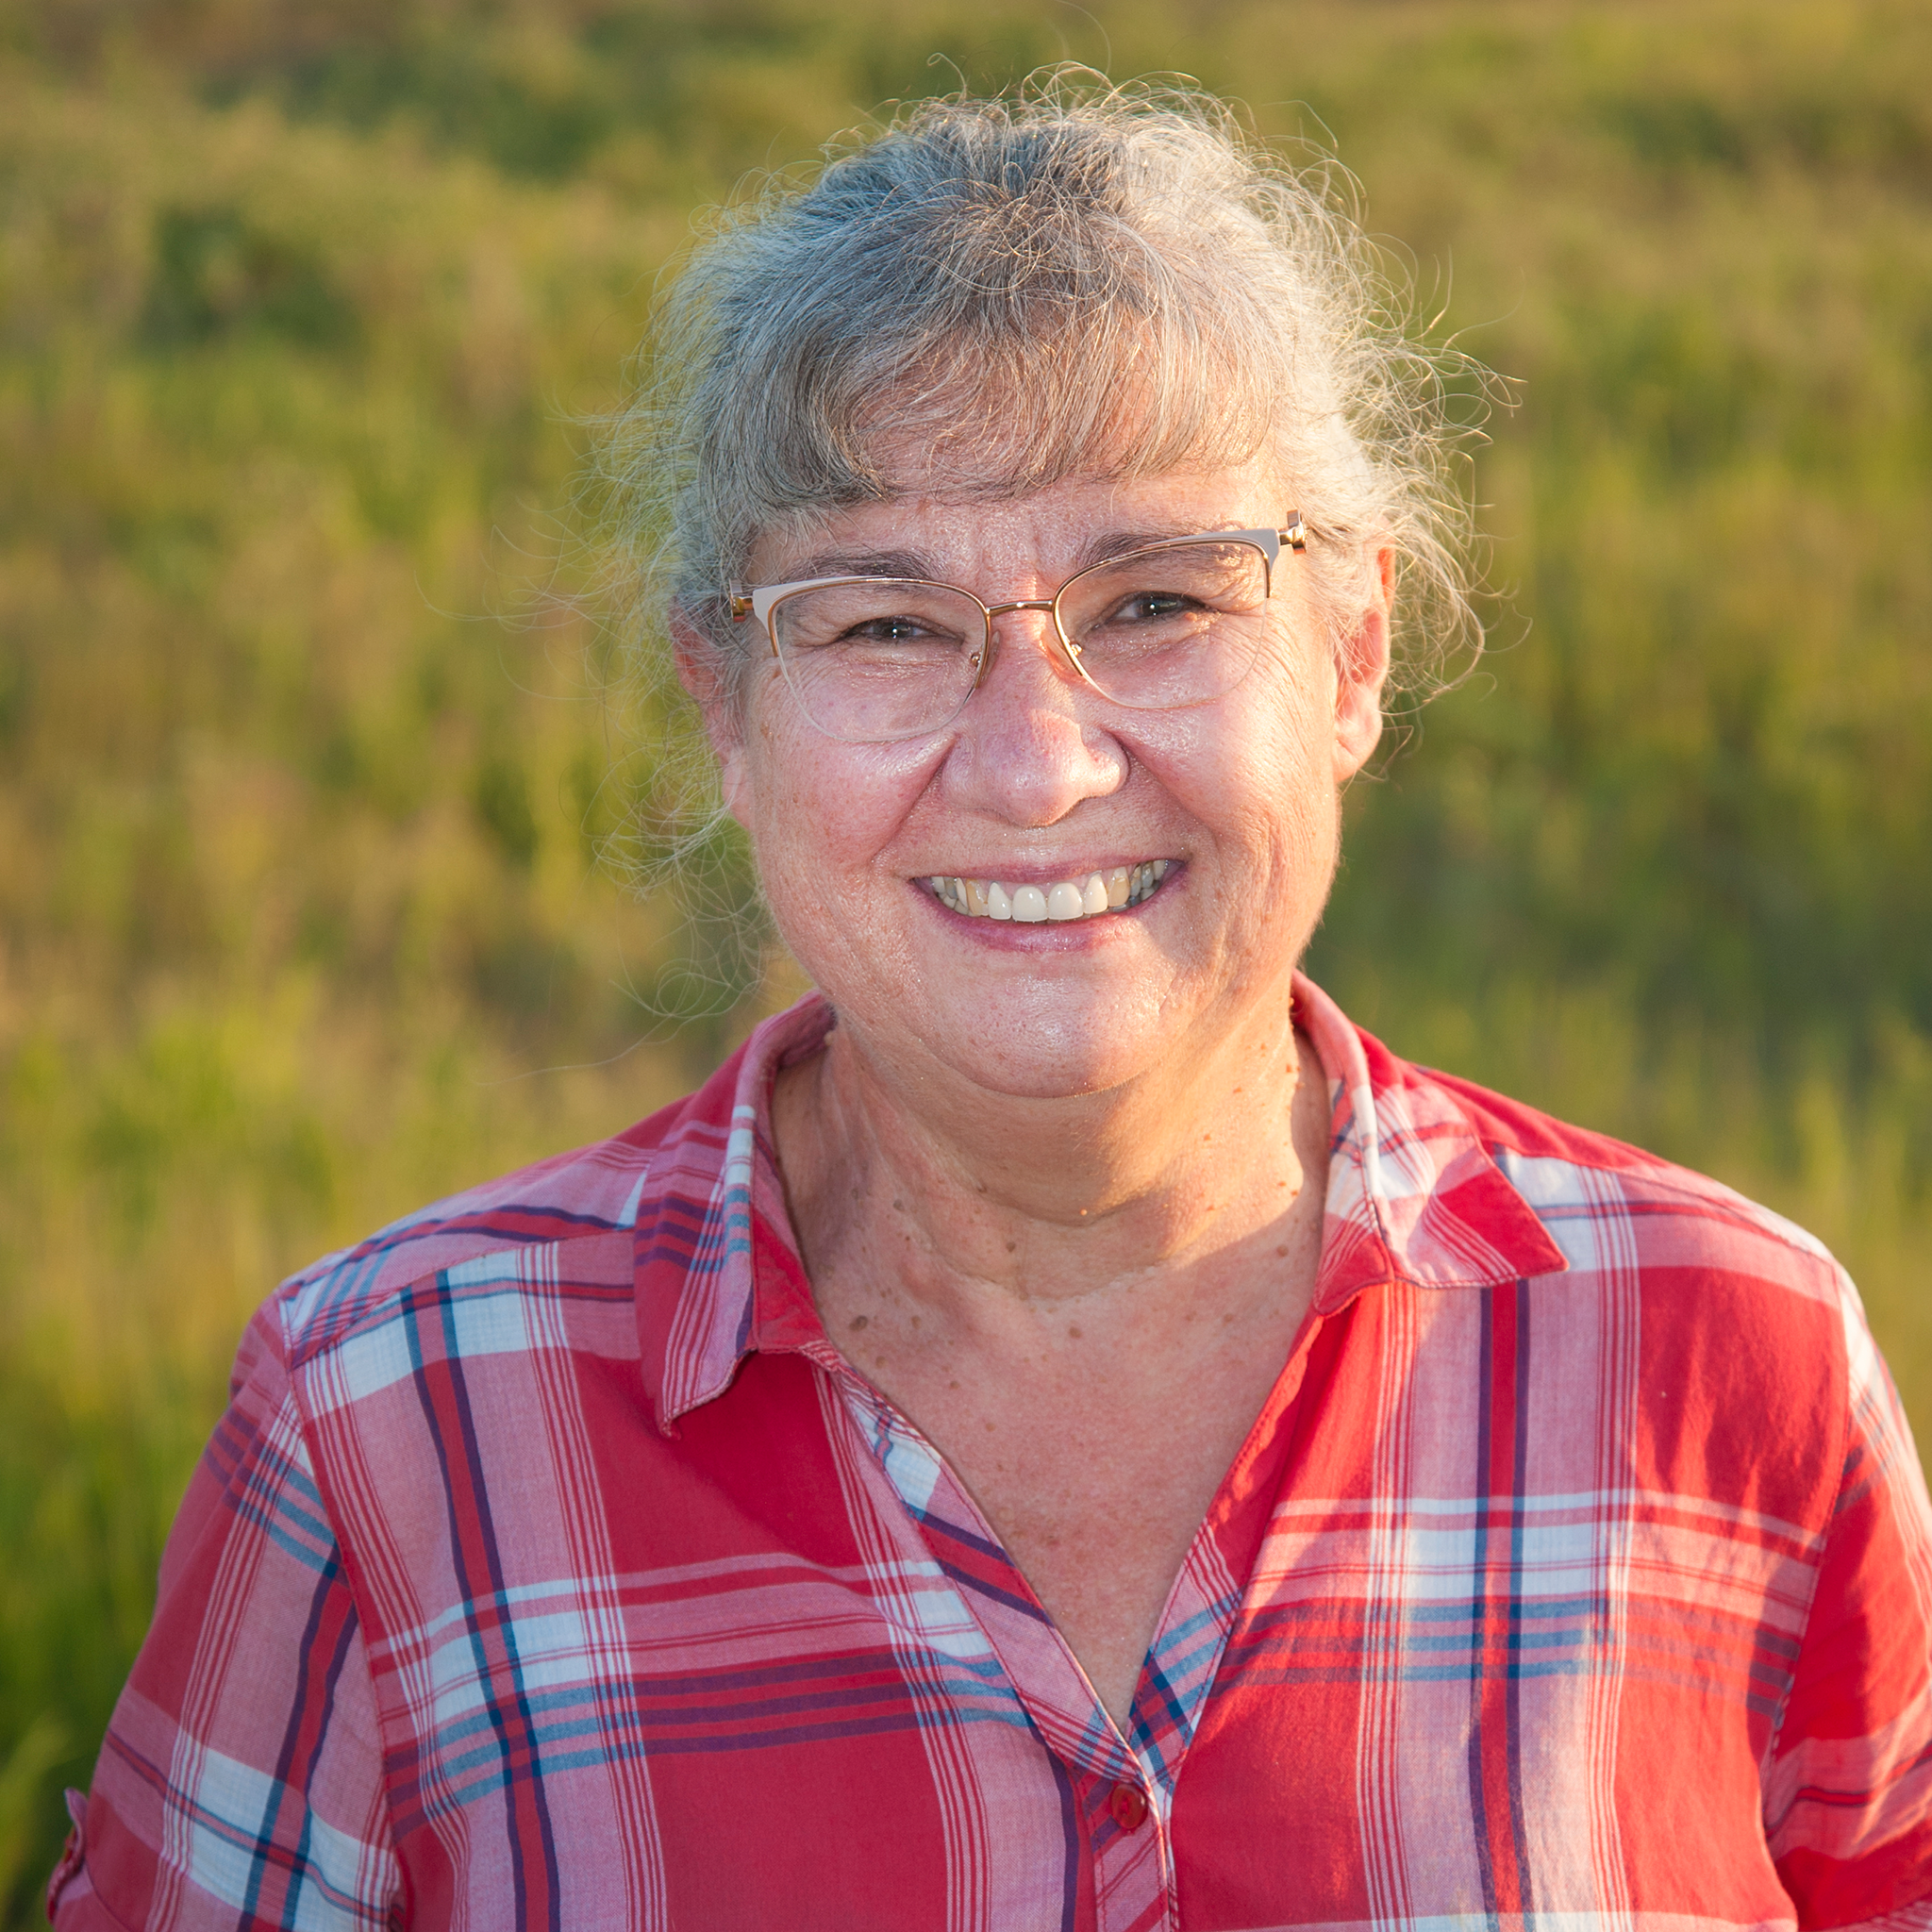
x=322, y=788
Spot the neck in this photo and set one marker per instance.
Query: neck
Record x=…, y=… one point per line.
x=973, y=1206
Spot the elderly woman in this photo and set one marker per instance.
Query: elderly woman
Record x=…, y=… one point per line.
x=1062, y=1430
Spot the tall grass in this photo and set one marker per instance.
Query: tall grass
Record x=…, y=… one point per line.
x=308, y=748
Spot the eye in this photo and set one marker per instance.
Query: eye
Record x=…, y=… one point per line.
x=1151, y=606
x=888, y=630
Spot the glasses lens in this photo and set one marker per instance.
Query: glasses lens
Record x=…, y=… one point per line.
x=876, y=658
x=1160, y=628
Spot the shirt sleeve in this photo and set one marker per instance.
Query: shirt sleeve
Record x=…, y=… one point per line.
x=240, y=1781
x=1848, y=1784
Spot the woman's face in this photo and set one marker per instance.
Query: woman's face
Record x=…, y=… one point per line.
x=1041, y=781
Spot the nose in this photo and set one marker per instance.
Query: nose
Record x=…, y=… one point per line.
x=1028, y=749
x=1047, y=639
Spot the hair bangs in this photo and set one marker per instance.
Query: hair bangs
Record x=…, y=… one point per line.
x=1104, y=397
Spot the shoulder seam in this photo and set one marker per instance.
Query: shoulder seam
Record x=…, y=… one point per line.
x=383, y=1299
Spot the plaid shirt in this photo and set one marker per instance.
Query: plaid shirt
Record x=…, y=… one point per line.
x=551, y=1568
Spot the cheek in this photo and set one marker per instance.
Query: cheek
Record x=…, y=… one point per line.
x=819, y=810
x=1261, y=774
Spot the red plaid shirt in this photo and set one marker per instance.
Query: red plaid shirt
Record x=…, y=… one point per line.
x=551, y=1568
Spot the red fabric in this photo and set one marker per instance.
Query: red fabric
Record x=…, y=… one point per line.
x=549, y=1566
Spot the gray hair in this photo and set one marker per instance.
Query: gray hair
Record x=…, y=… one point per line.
x=1068, y=282
x=1076, y=280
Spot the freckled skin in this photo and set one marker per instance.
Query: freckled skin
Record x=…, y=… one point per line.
x=1062, y=1174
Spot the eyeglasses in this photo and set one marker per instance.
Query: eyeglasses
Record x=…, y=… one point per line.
x=873, y=659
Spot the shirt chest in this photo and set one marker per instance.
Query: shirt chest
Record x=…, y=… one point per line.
x=786, y=1656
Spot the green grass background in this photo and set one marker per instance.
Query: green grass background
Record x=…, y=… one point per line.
x=308, y=749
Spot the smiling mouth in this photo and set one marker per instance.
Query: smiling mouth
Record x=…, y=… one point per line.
x=1113, y=891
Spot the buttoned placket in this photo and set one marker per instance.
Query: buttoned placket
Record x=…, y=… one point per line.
x=1125, y=1788
x=1126, y=1806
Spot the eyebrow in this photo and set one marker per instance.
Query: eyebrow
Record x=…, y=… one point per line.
x=1118, y=543
x=861, y=563
x=910, y=563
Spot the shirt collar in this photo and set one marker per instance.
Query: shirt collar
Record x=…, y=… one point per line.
x=1413, y=1197
x=1413, y=1193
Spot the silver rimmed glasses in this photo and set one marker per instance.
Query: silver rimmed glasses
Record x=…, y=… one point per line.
x=1176, y=623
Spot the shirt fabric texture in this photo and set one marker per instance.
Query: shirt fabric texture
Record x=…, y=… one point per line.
x=551, y=1568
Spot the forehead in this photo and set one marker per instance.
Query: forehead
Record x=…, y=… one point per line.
x=1045, y=533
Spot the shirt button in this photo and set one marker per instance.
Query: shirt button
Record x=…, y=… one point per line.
x=1128, y=1805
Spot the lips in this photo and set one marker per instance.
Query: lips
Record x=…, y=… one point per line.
x=1088, y=897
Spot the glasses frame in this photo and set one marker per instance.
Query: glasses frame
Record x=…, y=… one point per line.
x=760, y=603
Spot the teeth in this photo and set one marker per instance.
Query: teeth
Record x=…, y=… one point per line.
x=1066, y=899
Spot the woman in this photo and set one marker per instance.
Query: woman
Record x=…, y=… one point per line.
x=1061, y=1430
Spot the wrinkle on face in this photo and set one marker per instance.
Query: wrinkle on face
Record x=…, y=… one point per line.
x=1038, y=773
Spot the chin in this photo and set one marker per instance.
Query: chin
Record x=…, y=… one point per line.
x=1052, y=1043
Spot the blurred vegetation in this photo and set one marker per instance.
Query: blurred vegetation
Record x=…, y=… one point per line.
x=306, y=749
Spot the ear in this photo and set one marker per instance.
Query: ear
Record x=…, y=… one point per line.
x=701, y=671
x=1361, y=671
